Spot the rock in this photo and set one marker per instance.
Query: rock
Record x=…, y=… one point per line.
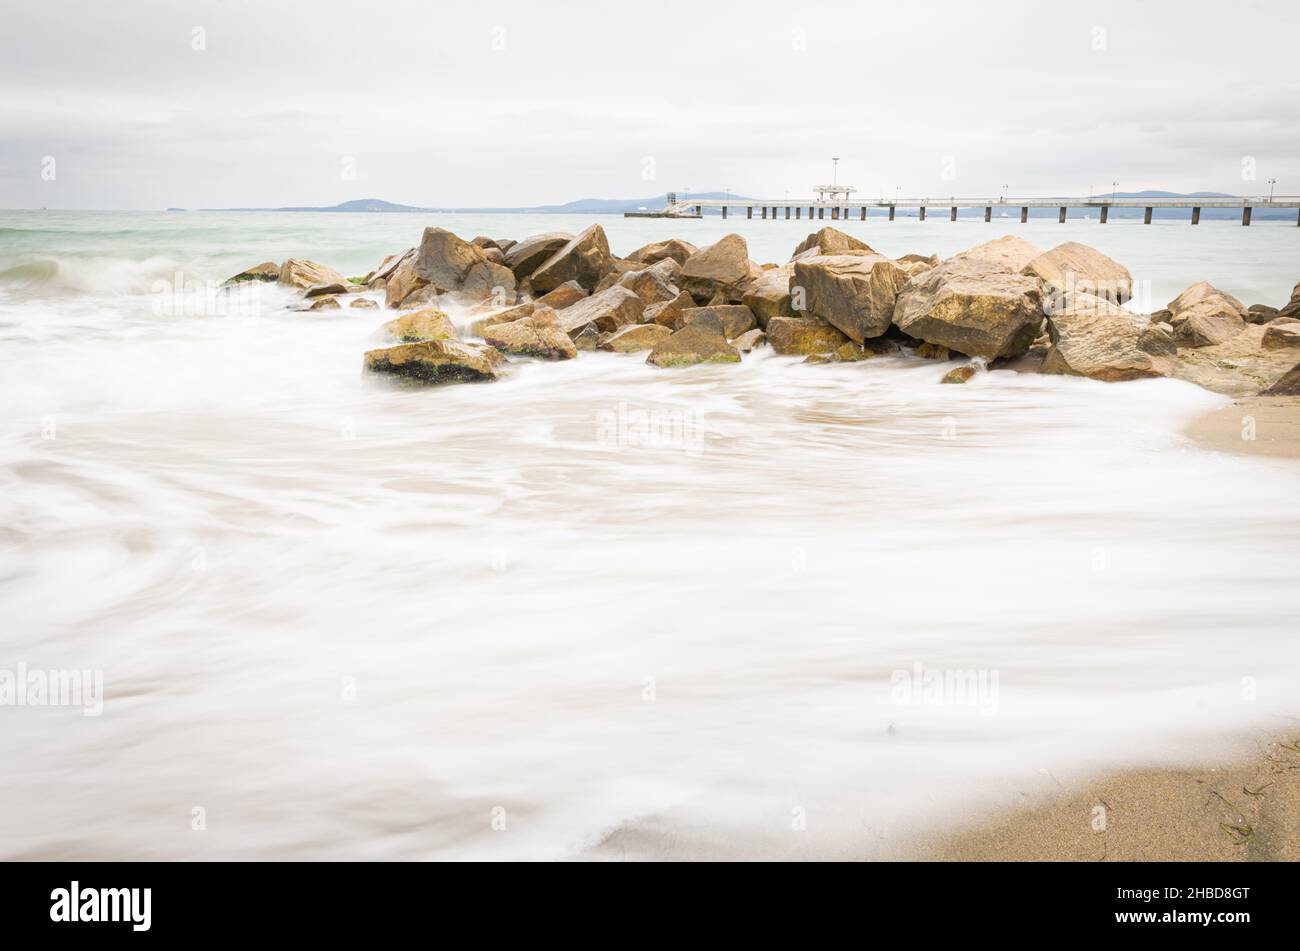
x=526, y=256
x=1008, y=251
x=438, y=361
x=561, y=297
x=537, y=335
x=505, y=244
x=427, y=324
x=304, y=274
x=854, y=293
x=326, y=303
x=974, y=306
x=585, y=259
x=1260, y=313
x=426, y=295
x=698, y=342
x=588, y=339
x=606, y=311
x=364, y=302
x=722, y=268
x=333, y=287
x=1287, y=385
x=669, y=269
x=932, y=351
x=769, y=295
x=749, y=340
x=960, y=374
x=1200, y=293
x=734, y=319
x=673, y=248
x=798, y=336
x=402, y=281
x=1240, y=366
x=485, y=243
x=378, y=278
x=1119, y=345
x=1074, y=267
x=1281, y=334
x=650, y=285
x=487, y=281
x=443, y=259
x=1207, y=323
x=671, y=314
x=635, y=337
x=266, y=271
x=827, y=241
x=495, y=255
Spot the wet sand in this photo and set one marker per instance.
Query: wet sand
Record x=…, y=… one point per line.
x=1273, y=421
x=1242, y=809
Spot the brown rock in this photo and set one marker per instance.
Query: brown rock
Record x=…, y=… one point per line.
x=1074, y=267
x=588, y=338
x=1200, y=293
x=734, y=319
x=1116, y=345
x=537, y=335
x=443, y=259
x=304, y=274
x=1287, y=385
x=797, y=336
x=1260, y=313
x=487, y=281
x=674, y=249
x=973, y=306
x=1281, y=335
x=649, y=284
x=266, y=271
x=561, y=297
x=769, y=295
x=1206, y=323
x=635, y=337
x=606, y=311
x=854, y=293
x=438, y=361
x=401, y=281
x=670, y=314
x=526, y=256
x=585, y=259
x=960, y=374
x=1008, y=252
x=325, y=303
x=698, y=342
x=827, y=241
x=427, y=324
x=333, y=287
x=721, y=268
x=364, y=302
x=749, y=340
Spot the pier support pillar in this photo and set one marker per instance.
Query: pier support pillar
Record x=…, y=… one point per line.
x=1024, y=214
x=821, y=212
x=724, y=211
x=835, y=214
x=1062, y=218
x=864, y=212
x=787, y=212
x=954, y=213
x=923, y=212
x=1146, y=217
x=798, y=212
x=1297, y=218
x=1196, y=216
x=1245, y=215
x=1105, y=209
x=988, y=213
x=765, y=212
x=749, y=212
x=891, y=212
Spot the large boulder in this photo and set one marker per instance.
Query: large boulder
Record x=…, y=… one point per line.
x=670, y=314
x=443, y=259
x=734, y=319
x=1097, y=339
x=1073, y=267
x=769, y=295
x=1204, y=316
x=972, y=306
x=302, y=274
x=526, y=256
x=488, y=281
x=438, y=361
x=540, y=334
x=585, y=259
x=674, y=249
x=266, y=271
x=1240, y=366
x=377, y=278
x=828, y=241
x=606, y=311
x=635, y=337
x=1282, y=334
x=700, y=342
x=1008, y=251
x=650, y=285
x=915, y=264
x=427, y=324
x=855, y=293
x=402, y=281
x=722, y=269
x=570, y=292
x=800, y=336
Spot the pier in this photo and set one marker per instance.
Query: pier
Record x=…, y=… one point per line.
x=844, y=209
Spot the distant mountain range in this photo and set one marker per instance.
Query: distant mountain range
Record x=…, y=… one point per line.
x=617, y=206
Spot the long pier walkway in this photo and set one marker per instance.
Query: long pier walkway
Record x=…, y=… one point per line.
x=839, y=210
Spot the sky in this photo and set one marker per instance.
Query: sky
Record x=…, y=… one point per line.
x=147, y=104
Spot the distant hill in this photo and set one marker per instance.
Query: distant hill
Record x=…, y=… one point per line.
x=616, y=206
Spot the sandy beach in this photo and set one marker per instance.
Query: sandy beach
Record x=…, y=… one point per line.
x=1273, y=421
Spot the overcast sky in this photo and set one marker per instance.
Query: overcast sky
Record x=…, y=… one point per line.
x=155, y=103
